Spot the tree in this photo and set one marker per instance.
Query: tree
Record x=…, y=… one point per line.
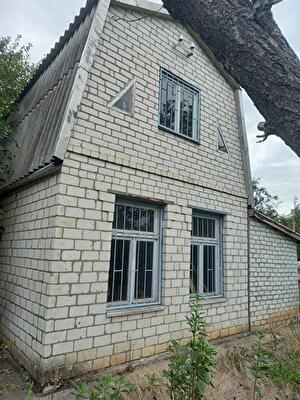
x=245, y=38
x=15, y=71
x=264, y=202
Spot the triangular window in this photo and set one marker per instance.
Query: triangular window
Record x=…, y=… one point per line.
x=125, y=99
x=221, y=142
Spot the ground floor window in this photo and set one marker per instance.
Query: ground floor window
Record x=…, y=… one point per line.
x=135, y=254
x=206, y=255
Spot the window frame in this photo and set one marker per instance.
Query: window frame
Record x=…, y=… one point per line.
x=200, y=242
x=183, y=82
x=133, y=237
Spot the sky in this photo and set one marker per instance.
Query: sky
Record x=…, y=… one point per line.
x=41, y=22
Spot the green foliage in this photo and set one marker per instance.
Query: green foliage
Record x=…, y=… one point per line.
x=192, y=364
x=6, y=387
x=107, y=388
x=154, y=385
x=284, y=372
x=292, y=220
x=258, y=365
x=29, y=390
x=264, y=202
x=267, y=204
x=276, y=361
x=15, y=71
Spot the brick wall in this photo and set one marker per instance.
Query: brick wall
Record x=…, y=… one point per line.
x=274, y=281
x=26, y=251
x=86, y=335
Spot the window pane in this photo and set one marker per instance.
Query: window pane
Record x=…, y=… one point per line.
x=209, y=269
x=125, y=101
x=144, y=270
x=204, y=227
x=186, y=113
x=119, y=217
x=118, y=271
x=168, y=102
x=194, y=270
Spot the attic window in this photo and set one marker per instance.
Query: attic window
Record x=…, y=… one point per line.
x=221, y=142
x=125, y=99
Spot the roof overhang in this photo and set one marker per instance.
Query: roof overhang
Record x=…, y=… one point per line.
x=274, y=225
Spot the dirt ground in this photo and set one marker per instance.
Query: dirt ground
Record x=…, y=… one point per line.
x=229, y=382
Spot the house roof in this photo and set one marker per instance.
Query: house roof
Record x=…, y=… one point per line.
x=42, y=104
x=48, y=104
x=274, y=225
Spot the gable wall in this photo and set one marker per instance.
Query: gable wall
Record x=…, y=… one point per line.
x=273, y=275
x=137, y=50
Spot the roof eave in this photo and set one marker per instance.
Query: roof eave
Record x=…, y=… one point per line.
x=275, y=225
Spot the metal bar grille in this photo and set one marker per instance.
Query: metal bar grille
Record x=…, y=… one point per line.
x=179, y=105
x=135, y=255
x=205, y=255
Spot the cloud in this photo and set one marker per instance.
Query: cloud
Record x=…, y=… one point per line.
x=42, y=22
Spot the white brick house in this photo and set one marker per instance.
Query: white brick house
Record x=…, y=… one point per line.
x=128, y=194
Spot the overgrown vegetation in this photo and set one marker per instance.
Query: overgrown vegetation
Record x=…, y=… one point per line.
x=4, y=371
x=107, y=388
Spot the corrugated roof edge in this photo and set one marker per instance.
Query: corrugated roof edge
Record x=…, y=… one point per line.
x=275, y=225
x=48, y=59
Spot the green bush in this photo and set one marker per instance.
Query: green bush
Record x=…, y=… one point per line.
x=192, y=364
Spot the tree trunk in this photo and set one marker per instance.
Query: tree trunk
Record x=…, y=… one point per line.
x=244, y=37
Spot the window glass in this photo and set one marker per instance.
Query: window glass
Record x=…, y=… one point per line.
x=179, y=106
x=125, y=100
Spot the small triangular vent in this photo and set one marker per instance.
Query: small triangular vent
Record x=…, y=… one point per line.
x=125, y=100
x=221, y=142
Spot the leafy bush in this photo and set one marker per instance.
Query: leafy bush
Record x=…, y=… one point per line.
x=191, y=364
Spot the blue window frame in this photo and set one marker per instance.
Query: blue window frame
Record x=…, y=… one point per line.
x=179, y=106
x=134, y=275
x=206, y=267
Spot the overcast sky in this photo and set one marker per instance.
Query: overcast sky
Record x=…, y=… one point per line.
x=41, y=22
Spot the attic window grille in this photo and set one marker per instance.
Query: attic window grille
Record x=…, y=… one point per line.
x=135, y=255
x=125, y=99
x=179, y=106
x=206, y=256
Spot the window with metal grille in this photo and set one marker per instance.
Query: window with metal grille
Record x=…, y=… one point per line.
x=179, y=106
x=135, y=254
x=206, y=255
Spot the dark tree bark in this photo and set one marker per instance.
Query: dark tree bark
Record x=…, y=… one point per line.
x=245, y=38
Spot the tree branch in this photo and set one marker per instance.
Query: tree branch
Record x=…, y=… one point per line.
x=259, y=4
